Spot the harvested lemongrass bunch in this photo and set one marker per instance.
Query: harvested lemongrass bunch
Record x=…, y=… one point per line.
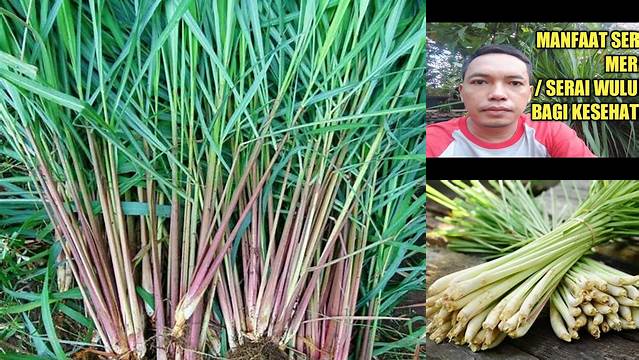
x=507, y=294
x=596, y=296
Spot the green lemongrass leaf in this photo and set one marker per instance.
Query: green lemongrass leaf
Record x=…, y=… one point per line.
x=21, y=201
x=390, y=270
x=158, y=42
x=20, y=308
x=247, y=98
x=36, y=338
x=408, y=246
x=146, y=296
x=132, y=208
x=142, y=208
x=408, y=157
x=46, y=92
x=26, y=264
x=332, y=128
x=45, y=232
x=69, y=294
x=76, y=316
x=46, y=310
x=331, y=34
x=414, y=283
x=412, y=339
x=8, y=60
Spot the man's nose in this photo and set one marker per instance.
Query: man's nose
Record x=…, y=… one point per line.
x=498, y=92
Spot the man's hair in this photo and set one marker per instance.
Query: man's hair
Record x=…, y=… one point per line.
x=499, y=49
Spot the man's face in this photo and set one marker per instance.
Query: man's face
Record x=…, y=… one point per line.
x=495, y=90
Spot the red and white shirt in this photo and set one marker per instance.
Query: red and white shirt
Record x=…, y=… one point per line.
x=532, y=139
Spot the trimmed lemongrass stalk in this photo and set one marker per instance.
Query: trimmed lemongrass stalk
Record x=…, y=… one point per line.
x=602, y=293
x=558, y=313
x=553, y=253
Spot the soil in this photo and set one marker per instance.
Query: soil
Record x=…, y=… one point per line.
x=264, y=349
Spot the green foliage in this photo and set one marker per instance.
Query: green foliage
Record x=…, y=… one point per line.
x=163, y=142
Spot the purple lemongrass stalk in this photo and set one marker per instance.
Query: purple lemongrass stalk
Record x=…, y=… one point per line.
x=115, y=245
x=89, y=225
x=206, y=230
x=207, y=267
x=270, y=296
x=273, y=221
x=252, y=271
x=147, y=274
x=174, y=259
x=356, y=276
x=188, y=238
x=195, y=306
x=113, y=338
x=90, y=230
x=225, y=306
x=69, y=231
x=299, y=311
x=349, y=297
x=204, y=276
x=157, y=272
x=137, y=320
x=283, y=315
x=204, y=334
x=334, y=304
x=327, y=194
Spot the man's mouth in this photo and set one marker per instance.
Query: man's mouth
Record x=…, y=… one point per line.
x=496, y=109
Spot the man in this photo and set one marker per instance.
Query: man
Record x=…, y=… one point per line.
x=495, y=91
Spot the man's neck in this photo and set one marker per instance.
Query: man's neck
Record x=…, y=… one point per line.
x=492, y=135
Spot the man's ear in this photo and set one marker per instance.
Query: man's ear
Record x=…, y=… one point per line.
x=459, y=90
x=531, y=93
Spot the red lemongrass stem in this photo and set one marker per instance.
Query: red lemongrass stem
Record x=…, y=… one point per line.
x=206, y=270
x=294, y=324
x=279, y=264
x=56, y=211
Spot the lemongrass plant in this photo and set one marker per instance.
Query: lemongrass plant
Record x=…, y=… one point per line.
x=506, y=295
x=222, y=164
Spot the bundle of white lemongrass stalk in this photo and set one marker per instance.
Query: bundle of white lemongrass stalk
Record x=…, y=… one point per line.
x=479, y=306
x=596, y=296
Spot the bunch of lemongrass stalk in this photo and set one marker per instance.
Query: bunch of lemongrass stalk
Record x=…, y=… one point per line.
x=595, y=296
x=566, y=319
x=489, y=220
x=505, y=296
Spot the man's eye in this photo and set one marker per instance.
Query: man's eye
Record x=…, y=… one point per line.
x=478, y=82
x=517, y=83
